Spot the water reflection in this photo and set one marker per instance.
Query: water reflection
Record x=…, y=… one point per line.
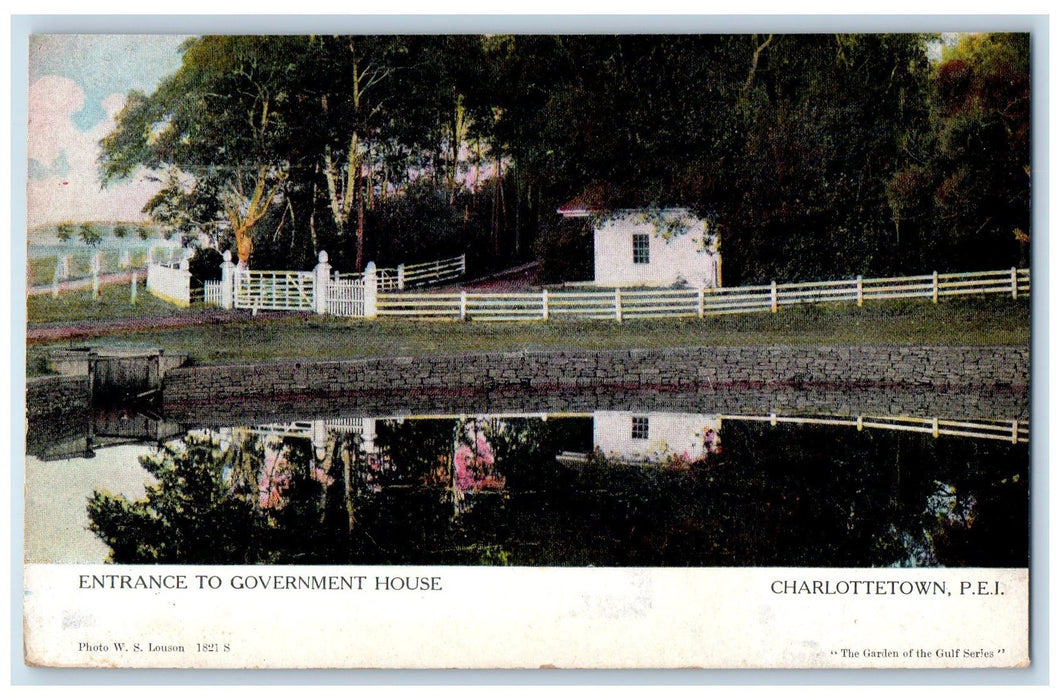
x=600, y=488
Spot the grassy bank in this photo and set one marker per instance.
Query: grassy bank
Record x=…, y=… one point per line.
x=114, y=304
x=971, y=321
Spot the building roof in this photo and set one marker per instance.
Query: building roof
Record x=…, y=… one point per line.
x=602, y=198
x=594, y=199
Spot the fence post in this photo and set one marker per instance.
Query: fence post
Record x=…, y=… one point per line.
x=228, y=279
x=700, y=301
x=321, y=274
x=95, y=275
x=401, y=277
x=935, y=287
x=618, y=304
x=544, y=304
x=371, y=291
x=463, y=305
x=861, y=293
x=773, y=296
x=1014, y=288
x=132, y=291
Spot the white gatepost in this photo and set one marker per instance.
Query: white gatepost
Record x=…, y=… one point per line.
x=321, y=281
x=228, y=278
x=371, y=289
x=96, y=264
x=401, y=277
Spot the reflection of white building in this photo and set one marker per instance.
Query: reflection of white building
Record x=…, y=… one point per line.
x=656, y=436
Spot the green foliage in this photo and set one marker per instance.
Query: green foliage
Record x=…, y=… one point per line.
x=64, y=231
x=565, y=249
x=205, y=264
x=121, y=231
x=823, y=155
x=191, y=513
x=143, y=232
x=90, y=234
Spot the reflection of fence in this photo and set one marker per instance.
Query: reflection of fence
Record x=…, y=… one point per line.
x=639, y=303
x=1009, y=430
x=305, y=428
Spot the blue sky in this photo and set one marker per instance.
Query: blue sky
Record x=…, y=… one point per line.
x=77, y=83
x=104, y=64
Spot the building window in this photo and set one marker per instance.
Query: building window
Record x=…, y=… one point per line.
x=640, y=249
x=640, y=428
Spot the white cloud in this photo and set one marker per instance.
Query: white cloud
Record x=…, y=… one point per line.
x=67, y=185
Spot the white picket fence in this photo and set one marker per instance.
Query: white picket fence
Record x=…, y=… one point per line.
x=211, y=292
x=345, y=297
x=644, y=303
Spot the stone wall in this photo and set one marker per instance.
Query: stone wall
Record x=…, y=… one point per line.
x=759, y=375
x=55, y=395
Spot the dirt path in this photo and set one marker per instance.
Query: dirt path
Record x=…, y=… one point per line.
x=84, y=283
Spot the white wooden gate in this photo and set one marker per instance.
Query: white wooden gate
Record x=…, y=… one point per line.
x=274, y=290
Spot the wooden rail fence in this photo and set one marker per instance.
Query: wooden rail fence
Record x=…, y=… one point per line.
x=644, y=303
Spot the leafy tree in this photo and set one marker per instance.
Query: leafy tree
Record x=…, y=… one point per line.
x=220, y=119
x=64, y=231
x=852, y=144
x=983, y=167
x=143, y=232
x=90, y=234
x=121, y=231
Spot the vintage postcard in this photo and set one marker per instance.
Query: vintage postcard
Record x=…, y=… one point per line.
x=705, y=350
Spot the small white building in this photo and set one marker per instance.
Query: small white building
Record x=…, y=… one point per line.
x=652, y=247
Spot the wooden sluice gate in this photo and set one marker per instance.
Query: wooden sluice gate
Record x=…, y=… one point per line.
x=122, y=406
x=118, y=375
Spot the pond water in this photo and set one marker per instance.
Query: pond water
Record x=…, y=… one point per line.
x=593, y=488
